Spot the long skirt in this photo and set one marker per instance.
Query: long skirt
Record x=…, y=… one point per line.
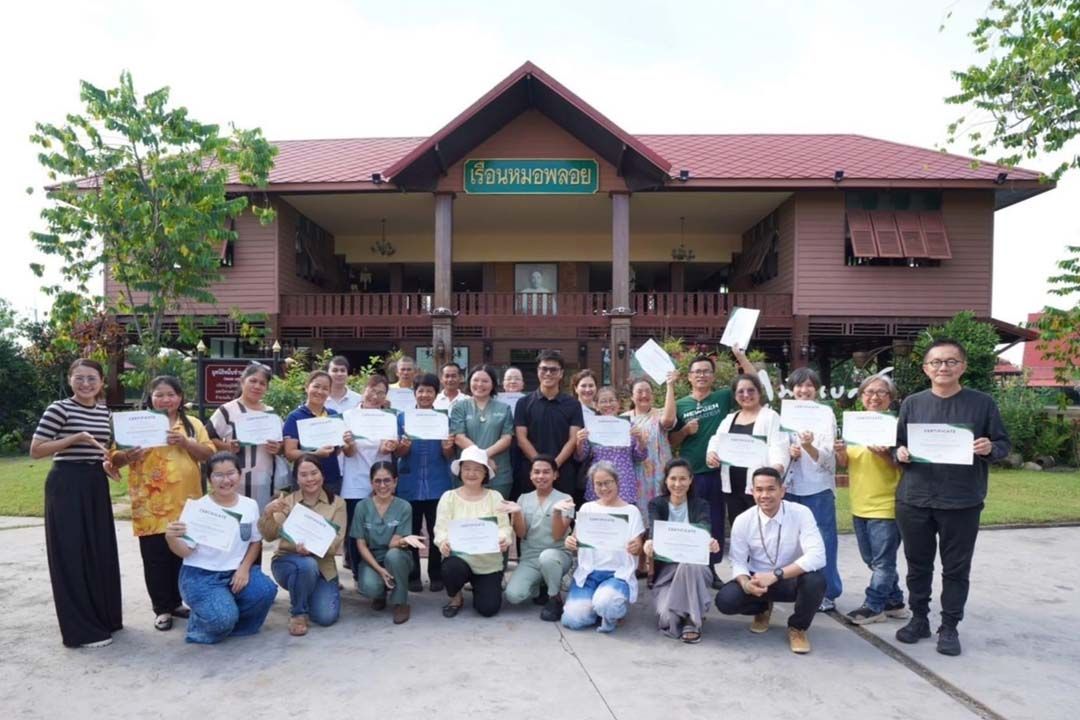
x=681, y=595
x=80, y=541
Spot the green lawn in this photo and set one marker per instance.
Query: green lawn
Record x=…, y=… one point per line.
x=22, y=486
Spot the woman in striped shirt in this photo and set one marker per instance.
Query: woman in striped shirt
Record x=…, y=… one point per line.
x=80, y=538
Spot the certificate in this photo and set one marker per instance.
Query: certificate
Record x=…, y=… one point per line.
x=804, y=415
x=740, y=327
x=427, y=424
x=608, y=430
x=655, y=361
x=877, y=429
x=321, y=431
x=307, y=527
x=479, y=536
x=941, y=443
x=140, y=428
x=209, y=525
x=401, y=398
x=257, y=428
x=606, y=532
x=511, y=399
x=372, y=423
x=746, y=451
x=680, y=543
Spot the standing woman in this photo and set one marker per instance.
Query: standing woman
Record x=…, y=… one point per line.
x=654, y=426
x=584, y=384
x=161, y=480
x=622, y=458
x=80, y=539
x=317, y=388
x=257, y=462
x=811, y=478
x=514, y=382
x=483, y=421
x=680, y=590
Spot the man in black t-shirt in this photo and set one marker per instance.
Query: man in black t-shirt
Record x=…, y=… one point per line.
x=547, y=421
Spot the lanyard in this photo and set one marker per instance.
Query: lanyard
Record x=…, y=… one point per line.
x=773, y=559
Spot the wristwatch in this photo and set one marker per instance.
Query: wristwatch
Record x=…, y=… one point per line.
x=779, y=573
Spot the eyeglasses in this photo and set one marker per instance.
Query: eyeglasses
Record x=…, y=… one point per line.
x=382, y=481
x=701, y=372
x=85, y=379
x=223, y=475
x=746, y=391
x=950, y=363
x=877, y=393
x=548, y=369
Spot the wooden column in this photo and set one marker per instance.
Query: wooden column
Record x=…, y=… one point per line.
x=397, y=279
x=620, y=312
x=442, y=314
x=678, y=276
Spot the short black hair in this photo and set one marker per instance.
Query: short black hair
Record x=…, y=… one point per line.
x=768, y=472
x=490, y=372
x=383, y=465
x=552, y=356
x=800, y=375
x=339, y=360
x=702, y=358
x=545, y=458
x=427, y=380
x=946, y=342
x=450, y=364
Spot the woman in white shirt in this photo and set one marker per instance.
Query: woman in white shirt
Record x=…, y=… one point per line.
x=604, y=584
x=225, y=589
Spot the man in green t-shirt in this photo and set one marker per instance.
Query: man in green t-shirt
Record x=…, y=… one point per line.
x=698, y=415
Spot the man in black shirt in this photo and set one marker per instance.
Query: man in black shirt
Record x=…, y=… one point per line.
x=547, y=421
x=939, y=504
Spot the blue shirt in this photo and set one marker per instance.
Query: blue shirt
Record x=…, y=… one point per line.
x=424, y=474
x=331, y=466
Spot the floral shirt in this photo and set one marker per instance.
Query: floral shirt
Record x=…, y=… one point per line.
x=163, y=481
x=650, y=470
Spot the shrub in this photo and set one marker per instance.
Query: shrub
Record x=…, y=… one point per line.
x=286, y=393
x=1022, y=412
x=979, y=340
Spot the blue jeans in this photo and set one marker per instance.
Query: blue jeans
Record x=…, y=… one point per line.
x=217, y=613
x=879, y=539
x=603, y=596
x=309, y=592
x=823, y=507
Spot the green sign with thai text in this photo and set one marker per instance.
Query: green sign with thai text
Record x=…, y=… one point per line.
x=531, y=176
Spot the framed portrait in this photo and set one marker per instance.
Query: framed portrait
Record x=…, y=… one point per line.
x=536, y=277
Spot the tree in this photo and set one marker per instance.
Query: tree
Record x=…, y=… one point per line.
x=140, y=192
x=979, y=340
x=1059, y=329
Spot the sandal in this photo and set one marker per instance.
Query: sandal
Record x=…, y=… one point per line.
x=181, y=612
x=690, y=636
x=298, y=625
x=453, y=607
x=163, y=622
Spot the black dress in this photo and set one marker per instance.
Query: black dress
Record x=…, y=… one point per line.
x=739, y=500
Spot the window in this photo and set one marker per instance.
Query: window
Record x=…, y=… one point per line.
x=896, y=228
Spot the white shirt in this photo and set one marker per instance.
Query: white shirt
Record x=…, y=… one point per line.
x=767, y=425
x=792, y=528
x=208, y=558
x=355, y=473
x=444, y=403
x=623, y=564
x=807, y=476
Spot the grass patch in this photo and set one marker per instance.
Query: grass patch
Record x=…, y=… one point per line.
x=22, y=486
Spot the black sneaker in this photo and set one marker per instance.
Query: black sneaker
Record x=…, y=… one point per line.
x=948, y=640
x=918, y=627
x=436, y=586
x=865, y=616
x=542, y=598
x=552, y=611
x=416, y=585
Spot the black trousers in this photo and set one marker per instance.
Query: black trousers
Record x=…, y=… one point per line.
x=424, y=510
x=486, y=589
x=161, y=570
x=80, y=542
x=737, y=502
x=352, y=554
x=806, y=591
x=923, y=530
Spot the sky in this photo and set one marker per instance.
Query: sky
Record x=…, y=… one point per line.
x=332, y=68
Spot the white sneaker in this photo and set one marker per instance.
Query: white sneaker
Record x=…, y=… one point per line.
x=826, y=605
x=99, y=644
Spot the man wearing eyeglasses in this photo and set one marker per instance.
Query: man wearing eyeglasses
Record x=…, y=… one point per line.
x=546, y=421
x=939, y=504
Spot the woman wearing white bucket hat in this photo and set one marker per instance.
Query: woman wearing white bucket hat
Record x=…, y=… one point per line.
x=472, y=501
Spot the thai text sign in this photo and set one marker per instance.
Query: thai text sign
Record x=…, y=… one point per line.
x=221, y=381
x=531, y=176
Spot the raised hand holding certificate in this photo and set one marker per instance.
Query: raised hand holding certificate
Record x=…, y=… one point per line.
x=740, y=327
x=870, y=428
x=608, y=430
x=140, y=428
x=306, y=527
x=655, y=361
x=209, y=525
x=747, y=451
x=320, y=432
x=680, y=543
x=372, y=423
x=804, y=415
x=427, y=424
x=479, y=536
x=941, y=443
x=401, y=398
x=606, y=532
x=257, y=428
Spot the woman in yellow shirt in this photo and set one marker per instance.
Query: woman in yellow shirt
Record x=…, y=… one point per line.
x=160, y=481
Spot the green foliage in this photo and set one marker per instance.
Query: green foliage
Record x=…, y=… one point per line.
x=286, y=393
x=1029, y=87
x=979, y=340
x=1059, y=329
x=1022, y=412
x=24, y=400
x=165, y=362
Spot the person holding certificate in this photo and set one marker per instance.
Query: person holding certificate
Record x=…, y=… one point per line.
x=873, y=475
x=225, y=589
x=312, y=581
x=811, y=478
x=317, y=388
x=680, y=589
x=425, y=475
x=547, y=420
x=621, y=457
x=482, y=564
x=483, y=421
x=604, y=585
x=161, y=479
x=541, y=520
x=380, y=531
x=938, y=504
x=259, y=463
x=654, y=425
x=80, y=538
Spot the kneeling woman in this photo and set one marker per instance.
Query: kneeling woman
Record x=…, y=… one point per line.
x=380, y=529
x=680, y=590
x=226, y=591
x=472, y=501
x=604, y=583
x=312, y=581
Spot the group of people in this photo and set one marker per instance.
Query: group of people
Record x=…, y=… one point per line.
x=530, y=467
